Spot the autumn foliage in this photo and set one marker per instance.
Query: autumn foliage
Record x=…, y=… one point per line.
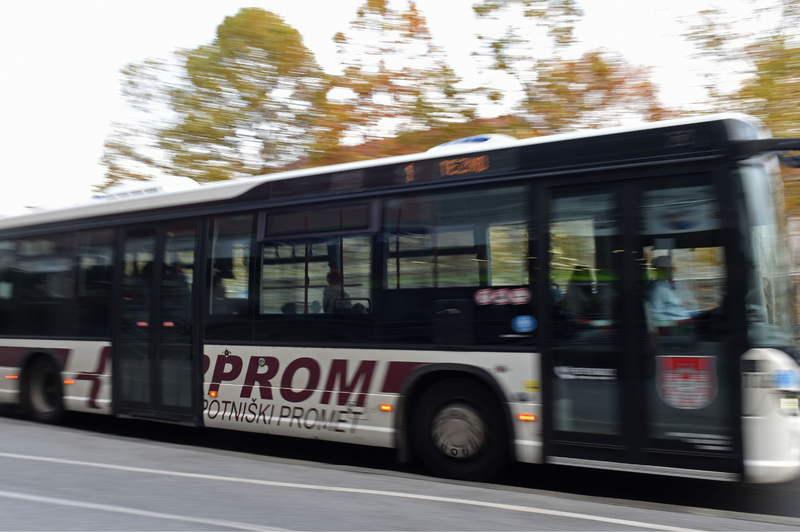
x=768, y=63
x=254, y=100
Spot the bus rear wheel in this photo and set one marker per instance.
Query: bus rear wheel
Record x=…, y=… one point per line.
x=43, y=395
x=459, y=432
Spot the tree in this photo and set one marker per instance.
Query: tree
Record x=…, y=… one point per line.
x=254, y=100
x=131, y=151
x=557, y=94
x=596, y=90
x=771, y=93
x=395, y=80
x=509, y=46
x=768, y=65
x=557, y=17
x=241, y=105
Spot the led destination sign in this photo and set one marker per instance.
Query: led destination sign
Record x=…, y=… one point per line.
x=459, y=166
x=432, y=169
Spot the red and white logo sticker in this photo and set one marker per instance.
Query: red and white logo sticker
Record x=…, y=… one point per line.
x=502, y=296
x=482, y=297
x=519, y=296
x=688, y=383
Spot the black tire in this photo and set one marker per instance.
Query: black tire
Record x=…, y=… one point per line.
x=459, y=431
x=43, y=393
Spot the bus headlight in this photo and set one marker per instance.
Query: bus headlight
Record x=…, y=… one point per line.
x=788, y=403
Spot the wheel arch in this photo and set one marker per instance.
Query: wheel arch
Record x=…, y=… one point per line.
x=427, y=376
x=28, y=357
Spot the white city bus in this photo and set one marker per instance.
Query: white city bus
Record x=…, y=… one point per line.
x=477, y=304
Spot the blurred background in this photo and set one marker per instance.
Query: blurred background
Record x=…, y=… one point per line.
x=100, y=93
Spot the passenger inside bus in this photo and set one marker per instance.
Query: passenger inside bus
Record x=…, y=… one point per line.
x=665, y=305
x=334, y=297
x=579, y=298
x=222, y=304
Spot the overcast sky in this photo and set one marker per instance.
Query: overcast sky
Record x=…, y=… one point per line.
x=61, y=61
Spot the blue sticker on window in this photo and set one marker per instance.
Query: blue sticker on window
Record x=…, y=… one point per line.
x=523, y=324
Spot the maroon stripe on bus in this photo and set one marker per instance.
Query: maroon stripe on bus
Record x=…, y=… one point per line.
x=396, y=374
x=12, y=356
x=94, y=376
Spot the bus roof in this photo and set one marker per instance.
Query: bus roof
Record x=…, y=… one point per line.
x=230, y=190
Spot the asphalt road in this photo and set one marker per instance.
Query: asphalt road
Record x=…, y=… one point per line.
x=99, y=473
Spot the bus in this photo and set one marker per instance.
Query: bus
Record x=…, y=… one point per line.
x=491, y=300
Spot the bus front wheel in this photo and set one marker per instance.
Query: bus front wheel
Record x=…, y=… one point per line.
x=459, y=431
x=43, y=395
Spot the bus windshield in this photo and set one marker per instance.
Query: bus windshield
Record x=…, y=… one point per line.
x=770, y=303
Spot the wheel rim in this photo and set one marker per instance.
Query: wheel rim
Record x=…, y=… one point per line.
x=458, y=431
x=44, y=390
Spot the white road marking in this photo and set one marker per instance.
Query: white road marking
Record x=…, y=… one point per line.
x=131, y=511
x=379, y=493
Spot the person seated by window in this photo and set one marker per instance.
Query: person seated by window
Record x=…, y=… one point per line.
x=335, y=293
x=579, y=299
x=289, y=308
x=221, y=304
x=665, y=305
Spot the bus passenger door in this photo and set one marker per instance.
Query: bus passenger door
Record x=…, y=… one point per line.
x=155, y=370
x=586, y=333
x=686, y=353
x=640, y=371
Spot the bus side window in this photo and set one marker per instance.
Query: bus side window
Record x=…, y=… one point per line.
x=684, y=263
x=316, y=290
x=508, y=254
x=95, y=263
x=43, y=286
x=293, y=277
x=458, y=261
x=8, y=290
x=476, y=238
x=230, y=276
x=325, y=276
